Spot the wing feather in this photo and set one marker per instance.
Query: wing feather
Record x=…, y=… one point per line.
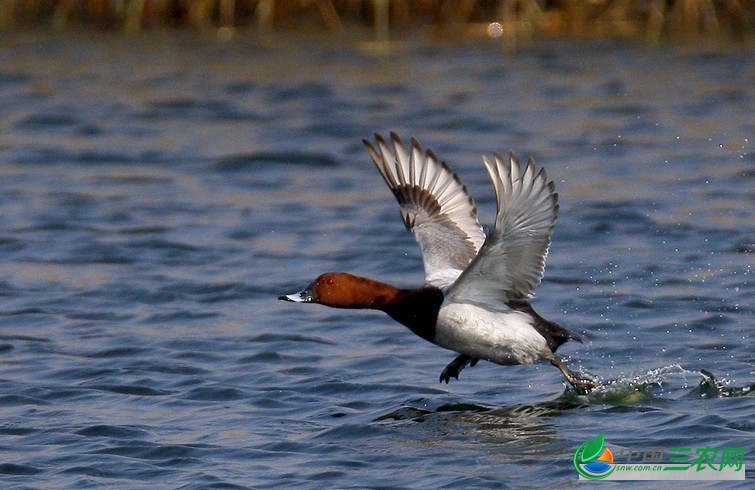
x=511, y=263
x=434, y=205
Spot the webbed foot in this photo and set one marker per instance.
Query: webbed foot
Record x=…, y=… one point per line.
x=455, y=367
x=581, y=384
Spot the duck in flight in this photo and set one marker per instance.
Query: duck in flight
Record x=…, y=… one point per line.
x=475, y=297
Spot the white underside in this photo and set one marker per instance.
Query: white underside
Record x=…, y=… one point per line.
x=502, y=337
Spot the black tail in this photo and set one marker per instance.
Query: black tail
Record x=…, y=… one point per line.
x=554, y=334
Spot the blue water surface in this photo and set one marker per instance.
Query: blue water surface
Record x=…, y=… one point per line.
x=158, y=193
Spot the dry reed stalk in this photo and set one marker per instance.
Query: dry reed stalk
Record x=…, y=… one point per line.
x=653, y=19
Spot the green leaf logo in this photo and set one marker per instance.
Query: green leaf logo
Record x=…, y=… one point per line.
x=587, y=452
x=592, y=448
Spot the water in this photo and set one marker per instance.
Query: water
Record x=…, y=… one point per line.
x=158, y=193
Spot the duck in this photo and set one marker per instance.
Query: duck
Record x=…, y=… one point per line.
x=475, y=300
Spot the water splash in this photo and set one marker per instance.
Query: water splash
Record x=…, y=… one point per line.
x=634, y=388
x=651, y=386
x=657, y=383
x=710, y=387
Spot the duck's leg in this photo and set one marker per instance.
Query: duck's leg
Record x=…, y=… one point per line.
x=581, y=384
x=454, y=367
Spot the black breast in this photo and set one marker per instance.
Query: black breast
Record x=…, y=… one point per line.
x=417, y=309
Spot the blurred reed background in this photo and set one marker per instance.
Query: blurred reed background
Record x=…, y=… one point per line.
x=654, y=20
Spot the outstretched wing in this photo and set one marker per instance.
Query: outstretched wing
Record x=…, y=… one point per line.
x=510, y=264
x=435, y=207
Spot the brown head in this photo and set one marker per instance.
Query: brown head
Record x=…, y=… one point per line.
x=342, y=290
